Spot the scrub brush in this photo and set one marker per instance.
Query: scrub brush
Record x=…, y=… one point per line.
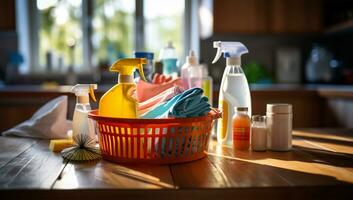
x=83, y=150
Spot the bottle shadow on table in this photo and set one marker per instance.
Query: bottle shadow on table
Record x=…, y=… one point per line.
x=305, y=149
x=288, y=169
x=302, y=154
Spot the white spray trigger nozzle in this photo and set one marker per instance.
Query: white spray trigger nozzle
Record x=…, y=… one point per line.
x=218, y=55
x=84, y=89
x=233, y=49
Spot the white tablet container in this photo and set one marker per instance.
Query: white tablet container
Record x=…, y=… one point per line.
x=279, y=126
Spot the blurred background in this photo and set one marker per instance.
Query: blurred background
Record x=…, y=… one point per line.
x=300, y=50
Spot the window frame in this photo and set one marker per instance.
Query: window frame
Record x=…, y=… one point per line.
x=27, y=17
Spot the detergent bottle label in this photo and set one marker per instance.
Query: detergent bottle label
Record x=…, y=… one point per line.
x=223, y=105
x=242, y=133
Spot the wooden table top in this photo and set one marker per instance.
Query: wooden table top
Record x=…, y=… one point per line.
x=320, y=165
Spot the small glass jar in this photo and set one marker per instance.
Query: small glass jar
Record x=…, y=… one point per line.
x=258, y=133
x=241, y=129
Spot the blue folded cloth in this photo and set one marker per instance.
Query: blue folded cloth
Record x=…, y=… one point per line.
x=190, y=103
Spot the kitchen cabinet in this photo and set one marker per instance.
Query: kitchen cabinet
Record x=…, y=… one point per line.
x=7, y=15
x=240, y=16
x=267, y=16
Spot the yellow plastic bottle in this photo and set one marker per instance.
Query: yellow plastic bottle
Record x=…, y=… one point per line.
x=118, y=101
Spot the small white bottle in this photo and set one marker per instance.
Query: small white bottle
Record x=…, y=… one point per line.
x=81, y=124
x=191, y=72
x=258, y=133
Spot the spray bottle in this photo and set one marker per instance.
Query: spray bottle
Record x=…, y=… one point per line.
x=234, y=91
x=81, y=124
x=191, y=72
x=118, y=102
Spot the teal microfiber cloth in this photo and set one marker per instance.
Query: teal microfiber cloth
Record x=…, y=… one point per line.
x=190, y=103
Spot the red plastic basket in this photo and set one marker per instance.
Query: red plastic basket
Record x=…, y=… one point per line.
x=157, y=141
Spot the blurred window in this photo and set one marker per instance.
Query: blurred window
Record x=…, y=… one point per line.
x=163, y=23
x=60, y=33
x=113, y=30
x=88, y=33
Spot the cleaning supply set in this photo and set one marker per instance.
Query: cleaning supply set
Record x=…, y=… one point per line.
x=167, y=119
x=156, y=122
x=164, y=119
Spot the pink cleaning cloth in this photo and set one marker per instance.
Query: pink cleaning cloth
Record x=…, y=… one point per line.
x=158, y=99
x=161, y=78
x=145, y=90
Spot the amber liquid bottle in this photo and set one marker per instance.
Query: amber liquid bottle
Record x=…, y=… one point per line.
x=241, y=129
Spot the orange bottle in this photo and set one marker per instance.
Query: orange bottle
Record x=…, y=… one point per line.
x=241, y=129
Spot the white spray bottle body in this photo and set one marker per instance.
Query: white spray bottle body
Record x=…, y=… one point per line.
x=234, y=93
x=82, y=126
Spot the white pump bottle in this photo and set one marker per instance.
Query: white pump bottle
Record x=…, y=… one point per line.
x=234, y=91
x=81, y=124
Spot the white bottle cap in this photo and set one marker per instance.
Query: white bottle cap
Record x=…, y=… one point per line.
x=279, y=108
x=168, y=52
x=191, y=58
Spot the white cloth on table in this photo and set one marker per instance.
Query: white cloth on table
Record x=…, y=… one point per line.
x=48, y=122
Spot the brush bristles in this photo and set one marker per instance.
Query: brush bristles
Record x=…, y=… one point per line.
x=84, y=150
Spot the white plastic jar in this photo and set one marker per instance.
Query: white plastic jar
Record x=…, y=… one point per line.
x=279, y=126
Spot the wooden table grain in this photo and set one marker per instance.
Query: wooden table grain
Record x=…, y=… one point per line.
x=319, y=166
